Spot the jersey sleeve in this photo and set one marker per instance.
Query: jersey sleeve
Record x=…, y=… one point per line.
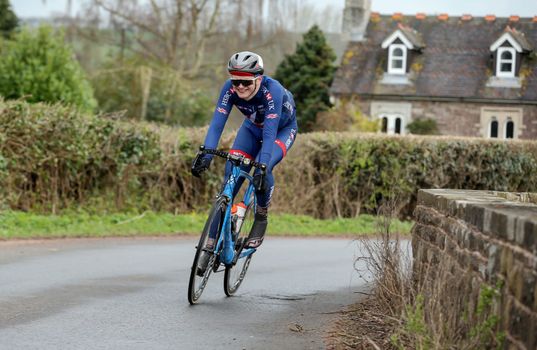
x=273, y=110
x=220, y=116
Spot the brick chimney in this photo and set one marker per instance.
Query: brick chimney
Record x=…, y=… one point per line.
x=355, y=18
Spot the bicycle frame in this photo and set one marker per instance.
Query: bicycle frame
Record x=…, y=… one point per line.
x=225, y=244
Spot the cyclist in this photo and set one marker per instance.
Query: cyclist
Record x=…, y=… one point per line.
x=266, y=135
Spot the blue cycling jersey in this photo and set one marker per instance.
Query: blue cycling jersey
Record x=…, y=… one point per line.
x=271, y=109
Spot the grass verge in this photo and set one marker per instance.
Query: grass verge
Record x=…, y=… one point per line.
x=21, y=225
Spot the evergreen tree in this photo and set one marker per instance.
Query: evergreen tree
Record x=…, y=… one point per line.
x=37, y=65
x=8, y=19
x=308, y=74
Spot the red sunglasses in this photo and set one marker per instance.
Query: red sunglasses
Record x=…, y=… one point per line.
x=245, y=83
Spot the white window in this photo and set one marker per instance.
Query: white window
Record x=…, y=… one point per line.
x=509, y=128
x=493, y=128
x=506, y=62
x=501, y=122
x=398, y=125
x=384, y=127
x=397, y=59
x=392, y=124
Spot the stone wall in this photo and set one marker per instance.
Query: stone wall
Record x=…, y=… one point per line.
x=475, y=263
x=462, y=118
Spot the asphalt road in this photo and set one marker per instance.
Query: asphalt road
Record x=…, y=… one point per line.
x=131, y=294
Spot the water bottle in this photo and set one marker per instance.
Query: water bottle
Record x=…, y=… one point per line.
x=240, y=210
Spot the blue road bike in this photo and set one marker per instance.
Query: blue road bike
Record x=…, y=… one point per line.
x=230, y=234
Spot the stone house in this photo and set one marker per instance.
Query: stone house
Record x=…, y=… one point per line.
x=475, y=76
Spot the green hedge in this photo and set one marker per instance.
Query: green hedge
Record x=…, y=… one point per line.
x=52, y=158
x=346, y=173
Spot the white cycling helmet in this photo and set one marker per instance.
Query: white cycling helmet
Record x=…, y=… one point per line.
x=245, y=63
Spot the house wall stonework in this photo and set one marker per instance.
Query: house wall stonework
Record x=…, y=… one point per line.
x=459, y=118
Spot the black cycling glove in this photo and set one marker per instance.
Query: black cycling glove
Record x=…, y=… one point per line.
x=199, y=165
x=260, y=183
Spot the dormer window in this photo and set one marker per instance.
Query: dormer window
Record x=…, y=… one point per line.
x=397, y=57
x=506, y=62
x=508, y=52
x=398, y=46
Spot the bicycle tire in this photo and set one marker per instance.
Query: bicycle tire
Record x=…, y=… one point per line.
x=197, y=284
x=234, y=274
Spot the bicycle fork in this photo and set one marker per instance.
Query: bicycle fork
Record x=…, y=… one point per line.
x=228, y=251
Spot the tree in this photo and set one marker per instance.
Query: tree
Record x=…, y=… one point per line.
x=8, y=19
x=168, y=33
x=38, y=66
x=346, y=116
x=308, y=74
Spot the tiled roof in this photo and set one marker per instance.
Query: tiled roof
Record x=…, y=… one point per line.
x=520, y=38
x=412, y=35
x=456, y=61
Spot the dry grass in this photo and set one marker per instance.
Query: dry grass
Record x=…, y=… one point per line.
x=371, y=323
x=440, y=307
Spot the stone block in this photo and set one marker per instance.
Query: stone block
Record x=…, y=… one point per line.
x=440, y=241
x=450, y=248
x=522, y=326
x=506, y=260
x=510, y=227
x=482, y=246
x=475, y=215
x=498, y=224
x=528, y=285
x=529, y=239
x=494, y=260
x=535, y=298
x=471, y=242
x=427, y=216
x=515, y=281
x=482, y=269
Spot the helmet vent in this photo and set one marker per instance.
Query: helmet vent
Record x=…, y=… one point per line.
x=252, y=66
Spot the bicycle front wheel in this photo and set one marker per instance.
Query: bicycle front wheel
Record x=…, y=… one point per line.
x=198, y=278
x=234, y=274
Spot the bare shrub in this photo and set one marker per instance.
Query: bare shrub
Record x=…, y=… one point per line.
x=423, y=300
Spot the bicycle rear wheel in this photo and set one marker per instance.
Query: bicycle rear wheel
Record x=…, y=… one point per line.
x=197, y=283
x=234, y=274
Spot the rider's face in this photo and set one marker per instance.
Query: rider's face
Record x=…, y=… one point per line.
x=244, y=86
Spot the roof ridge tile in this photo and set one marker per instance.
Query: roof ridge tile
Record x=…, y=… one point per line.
x=466, y=17
x=421, y=15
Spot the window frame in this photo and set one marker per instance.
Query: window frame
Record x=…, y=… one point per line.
x=494, y=120
x=507, y=121
x=391, y=58
x=391, y=123
x=499, y=61
x=502, y=115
